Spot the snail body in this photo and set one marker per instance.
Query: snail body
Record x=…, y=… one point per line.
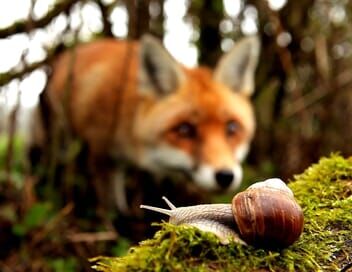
x=266, y=215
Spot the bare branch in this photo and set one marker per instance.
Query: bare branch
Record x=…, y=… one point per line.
x=51, y=224
x=91, y=237
x=7, y=77
x=25, y=25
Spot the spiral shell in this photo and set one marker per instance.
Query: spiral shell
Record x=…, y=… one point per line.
x=267, y=215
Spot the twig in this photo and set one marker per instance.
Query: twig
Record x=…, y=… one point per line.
x=305, y=101
x=25, y=26
x=302, y=103
x=7, y=77
x=52, y=224
x=91, y=237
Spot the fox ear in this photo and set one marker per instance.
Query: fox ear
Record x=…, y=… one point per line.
x=236, y=69
x=159, y=73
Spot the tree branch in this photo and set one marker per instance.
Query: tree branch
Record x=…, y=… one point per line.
x=7, y=77
x=25, y=25
x=105, y=11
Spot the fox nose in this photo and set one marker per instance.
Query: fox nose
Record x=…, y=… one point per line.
x=224, y=178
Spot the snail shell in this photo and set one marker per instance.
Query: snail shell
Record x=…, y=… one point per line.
x=266, y=214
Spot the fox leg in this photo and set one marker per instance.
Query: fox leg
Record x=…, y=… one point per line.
x=119, y=181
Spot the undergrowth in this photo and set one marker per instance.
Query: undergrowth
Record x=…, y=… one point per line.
x=325, y=193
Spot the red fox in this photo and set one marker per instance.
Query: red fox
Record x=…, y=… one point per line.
x=133, y=102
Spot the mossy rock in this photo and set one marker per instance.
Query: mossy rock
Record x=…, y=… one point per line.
x=325, y=193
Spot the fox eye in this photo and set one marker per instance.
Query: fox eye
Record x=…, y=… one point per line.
x=232, y=127
x=186, y=130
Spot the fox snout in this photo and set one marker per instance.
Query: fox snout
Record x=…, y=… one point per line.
x=224, y=178
x=218, y=179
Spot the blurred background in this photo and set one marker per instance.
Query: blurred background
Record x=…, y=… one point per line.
x=303, y=103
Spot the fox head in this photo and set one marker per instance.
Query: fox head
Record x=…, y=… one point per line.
x=196, y=121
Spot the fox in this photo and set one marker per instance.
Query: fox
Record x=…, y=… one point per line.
x=132, y=102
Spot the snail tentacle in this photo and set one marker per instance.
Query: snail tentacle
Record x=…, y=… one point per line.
x=169, y=203
x=161, y=210
x=157, y=209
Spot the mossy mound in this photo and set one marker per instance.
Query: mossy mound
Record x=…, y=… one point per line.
x=325, y=193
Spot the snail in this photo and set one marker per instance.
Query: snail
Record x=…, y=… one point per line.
x=266, y=214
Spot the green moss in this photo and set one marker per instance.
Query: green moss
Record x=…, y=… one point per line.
x=325, y=193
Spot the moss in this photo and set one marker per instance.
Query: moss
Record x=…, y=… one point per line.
x=325, y=193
